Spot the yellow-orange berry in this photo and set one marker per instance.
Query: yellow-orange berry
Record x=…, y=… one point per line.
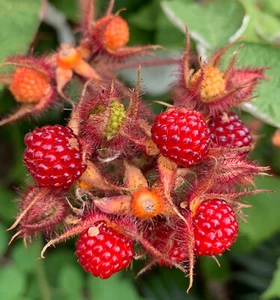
x=29, y=86
x=212, y=85
x=146, y=203
x=116, y=32
x=68, y=57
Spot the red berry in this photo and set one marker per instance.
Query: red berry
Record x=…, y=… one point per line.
x=103, y=251
x=177, y=253
x=54, y=156
x=29, y=86
x=172, y=245
x=182, y=136
x=215, y=227
x=228, y=131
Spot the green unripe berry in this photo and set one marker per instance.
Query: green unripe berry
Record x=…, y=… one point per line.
x=117, y=114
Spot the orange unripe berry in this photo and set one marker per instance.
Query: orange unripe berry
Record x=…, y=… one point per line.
x=29, y=86
x=146, y=203
x=276, y=138
x=115, y=34
x=68, y=57
x=212, y=85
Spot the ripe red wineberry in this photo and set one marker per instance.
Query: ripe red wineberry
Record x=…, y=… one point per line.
x=215, y=227
x=181, y=135
x=53, y=156
x=103, y=251
x=228, y=131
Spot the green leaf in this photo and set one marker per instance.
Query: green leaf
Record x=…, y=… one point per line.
x=70, y=8
x=70, y=274
x=262, y=26
x=165, y=284
x=120, y=4
x=116, y=288
x=266, y=106
x=56, y=261
x=268, y=28
x=17, y=171
x=211, y=270
x=33, y=289
x=139, y=36
x=167, y=34
x=3, y=239
x=252, y=11
x=7, y=101
x=264, y=152
x=273, y=290
x=145, y=18
x=263, y=217
x=271, y=7
x=208, y=23
x=25, y=259
x=12, y=282
x=8, y=207
x=19, y=22
x=243, y=245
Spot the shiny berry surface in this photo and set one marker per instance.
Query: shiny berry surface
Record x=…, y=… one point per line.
x=215, y=227
x=182, y=136
x=228, y=131
x=53, y=156
x=103, y=251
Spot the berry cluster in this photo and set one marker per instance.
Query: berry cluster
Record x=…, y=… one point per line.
x=166, y=188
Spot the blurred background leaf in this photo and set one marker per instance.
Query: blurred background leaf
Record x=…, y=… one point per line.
x=19, y=22
x=273, y=290
x=263, y=216
x=3, y=239
x=12, y=282
x=115, y=287
x=266, y=106
x=216, y=14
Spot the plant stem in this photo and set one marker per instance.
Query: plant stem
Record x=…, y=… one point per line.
x=42, y=278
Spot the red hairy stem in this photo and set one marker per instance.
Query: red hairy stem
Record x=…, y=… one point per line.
x=146, y=63
x=110, y=8
x=87, y=14
x=82, y=225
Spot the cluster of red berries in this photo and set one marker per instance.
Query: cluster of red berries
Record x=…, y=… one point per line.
x=170, y=184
